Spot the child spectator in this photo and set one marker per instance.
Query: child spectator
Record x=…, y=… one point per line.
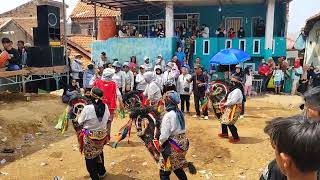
x=278, y=77
x=14, y=58
x=231, y=33
x=248, y=81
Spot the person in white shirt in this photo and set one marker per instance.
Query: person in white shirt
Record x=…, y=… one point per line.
x=184, y=88
x=141, y=83
x=173, y=130
x=119, y=77
x=161, y=62
x=129, y=78
x=171, y=73
x=76, y=68
x=248, y=81
x=147, y=64
x=152, y=91
x=205, y=31
x=159, y=76
x=232, y=110
x=94, y=118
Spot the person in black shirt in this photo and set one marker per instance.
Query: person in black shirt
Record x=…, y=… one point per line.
x=241, y=33
x=311, y=110
x=14, y=58
x=199, y=80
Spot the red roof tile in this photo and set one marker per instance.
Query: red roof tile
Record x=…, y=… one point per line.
x=83, y=10
x=83, y=41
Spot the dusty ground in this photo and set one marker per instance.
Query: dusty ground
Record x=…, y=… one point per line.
x=28, y=127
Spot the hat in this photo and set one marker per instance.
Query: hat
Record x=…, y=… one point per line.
x=172, y=97
x=108, y=73
x=157, y=67
x=142, y=66
x=78, y=55
x=125, y=64
x=160, y=55
x=263, y=61
x=170, y=64
x=237, y=78
x=238, y=66
x=116, y=64
x=145, y=58
x=148, y=76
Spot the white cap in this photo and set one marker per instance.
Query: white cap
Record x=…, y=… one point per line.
x=145, y=58
x=108, y=73
x=142, y=66
x=125, y=64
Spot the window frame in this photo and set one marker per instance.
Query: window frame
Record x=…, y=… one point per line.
x=245, y=44
x=226, y=42
x=203, y=46
x=259, y=46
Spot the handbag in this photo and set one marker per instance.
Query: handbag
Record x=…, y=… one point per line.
x=271, y=83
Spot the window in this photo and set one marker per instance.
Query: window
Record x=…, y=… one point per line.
x=256, y=46
x=233, y=22
x=228, y=43
x=143, y=23
x=206, y=47
x=242, y=44
x=186, y=20
x=273, y=46
x=195, y=47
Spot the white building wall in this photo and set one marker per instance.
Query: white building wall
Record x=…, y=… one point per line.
x=312, y=53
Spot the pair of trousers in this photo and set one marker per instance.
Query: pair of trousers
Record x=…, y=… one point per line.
x=197, y=101
x=232, y=129
x=185, y=99
x=96, y=167
x=295, y=85
x=242, y=108
x=165, y=175
x=264, y=83
x=247, y=90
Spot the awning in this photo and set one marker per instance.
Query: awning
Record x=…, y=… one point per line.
x=119, y=4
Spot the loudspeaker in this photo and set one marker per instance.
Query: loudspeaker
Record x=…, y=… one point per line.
x=48, y=25
x=45, y=56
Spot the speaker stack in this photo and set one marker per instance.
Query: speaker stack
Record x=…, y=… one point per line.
x=47, y=50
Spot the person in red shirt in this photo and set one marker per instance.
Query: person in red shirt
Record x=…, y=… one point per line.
x=264, y=71
x=110, y=94
x=231, y=33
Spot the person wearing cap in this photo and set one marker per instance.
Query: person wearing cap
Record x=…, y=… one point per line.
x=232, y=110
x=153, y=89
x=103, y=60
x=311, y=109
x=93, y=137
x=128, y=77
x=171, y=73
x=264, y=71
x=111, y=94
x=88, y=75
x=147, y=64
x=199, y=86
x=159, y=76
x=238, y=72
x=119, y=77
x=141, y=83
x=76, y=68
x=14, y=58
x=161, y=63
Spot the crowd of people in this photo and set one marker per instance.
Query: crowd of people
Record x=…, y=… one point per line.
x=17, y=58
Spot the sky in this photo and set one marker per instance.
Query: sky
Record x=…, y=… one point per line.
x=300, y=10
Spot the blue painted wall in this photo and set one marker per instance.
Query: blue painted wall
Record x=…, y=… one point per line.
x=213, y=18
x=124, y=48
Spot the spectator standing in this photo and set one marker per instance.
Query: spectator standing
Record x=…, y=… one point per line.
x=296, y=75
x=248, y=81
x=264, y=71
x=278, y=77
x=161, y=32
x=220, y=33
x=260, y=29
x=231, y=33
x=103, y=61
x=88, y=76
x=304, y=82
x=186, y=65
x=241, y=33
x=129, y=78
x=134, y=32
x=133, y=63
x=147, y=64
x=141, y=83
x=192, y=50
x=22, y=53
x=160, y=62
x=14, y=58
x=199, y=80
x=76, y=69
x=238, y=72
x=184, y=88
x=176, y=62
x=205, y=31
x=180, y=55
x=170, y=75
x=316, y=77
x=159, y=76
x=153, y=32
x=123, y=32
x=119, y=77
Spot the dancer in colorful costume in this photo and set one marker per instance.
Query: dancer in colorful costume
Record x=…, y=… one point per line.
x=232, y=110
x=110, y=94
x=173, y=141
x=93, y=137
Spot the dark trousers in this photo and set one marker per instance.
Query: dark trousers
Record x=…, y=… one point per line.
x=264, y=83
x=96, y=167
x=197, y=100
x=165, y=175
x=242, y=108
x=185, y=99
x=232, y=129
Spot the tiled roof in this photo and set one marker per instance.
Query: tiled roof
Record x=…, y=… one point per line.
x=83, y=10
x=83, y=41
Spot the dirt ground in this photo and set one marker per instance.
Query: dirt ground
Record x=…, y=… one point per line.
x=41, y=152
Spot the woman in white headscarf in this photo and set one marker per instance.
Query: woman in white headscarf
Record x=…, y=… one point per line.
x=152, y=91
